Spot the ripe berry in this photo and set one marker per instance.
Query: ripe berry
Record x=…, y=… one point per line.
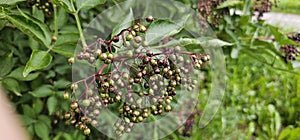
x=150, y=19
x=115, y=39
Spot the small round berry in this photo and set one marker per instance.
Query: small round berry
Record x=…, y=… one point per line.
x=67, y=115
x=143, y=28
x=86, y=102
x=149, y=53
x=110, y=56
x=115, y=39
x=136, y=28
x=66, y=96
x=103, y=56
x=74, y=105
x=54, y=38
x=87, y=131
x=74, y=86
x=138, y=39
x=71, y=60
x=129, y=37
x=150, y=19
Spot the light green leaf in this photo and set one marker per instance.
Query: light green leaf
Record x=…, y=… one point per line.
x=17, y=74
x=32, y=27
x=6, y=64
x=42, y=130
x=51, y=104
x=10, y=2
x=163, y=28
x=38, y=60
x=43, y=91
x=66, y=4
x=65, y=50
x=61, y=83
x=87, y=4
x=12, y=85
x=66, y=44
x=230, y=3
x=126, y=22
x=205, y=42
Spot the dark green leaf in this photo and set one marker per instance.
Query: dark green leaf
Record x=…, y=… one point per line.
x=32, y=27
x=87, y=4
x=163, y=28
x=42, y=130
x=28, y=111
x=66, y=4
x=45, y=119
x=6, y=64
x=27, y=120
x=51, y=104
x=126, y=22
x=38, y=60
x=17, y=74
x=12, y=85
x=3, y=24
x=61, y=83
x=43, y=91
x=10, y=2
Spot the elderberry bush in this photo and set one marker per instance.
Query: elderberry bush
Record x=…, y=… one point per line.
x=139, y=79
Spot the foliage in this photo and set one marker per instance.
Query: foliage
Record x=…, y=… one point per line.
x=262, y=92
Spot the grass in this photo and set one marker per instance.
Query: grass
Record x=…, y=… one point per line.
x=288, y=6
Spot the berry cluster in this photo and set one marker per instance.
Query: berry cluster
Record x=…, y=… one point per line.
x=262, y=6
x=291, y=51
x=44, y=5
x=141, y=80
x=208, y=10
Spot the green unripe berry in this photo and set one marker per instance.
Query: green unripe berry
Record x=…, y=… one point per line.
x=86, y=102
x=143, y=28
x=129, y=53
x=129, y=37
x=74, y=86
x=110, y=56
x=107, y=61
x=66, y=96
x=87, y=131
x=168, y=108
x=103, y=56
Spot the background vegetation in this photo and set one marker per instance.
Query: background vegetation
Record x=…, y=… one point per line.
x=262, y=91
